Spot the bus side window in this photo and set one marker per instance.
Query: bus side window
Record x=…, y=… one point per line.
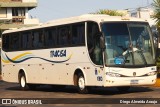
x=26, y=40
x=93, y=43
x=11, y=44
x=35, y=39
x=78, y=34
x=15, y=41
x=54, y=36
x=5, y=42
x=64, y=35
x=50, y=35
x=38, y=39
x=41, y=39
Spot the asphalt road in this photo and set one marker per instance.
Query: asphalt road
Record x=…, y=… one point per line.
x=71, y=96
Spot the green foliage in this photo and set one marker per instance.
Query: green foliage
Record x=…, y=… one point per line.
x=156, y=16
x=158, y=62
x=109, y=12
x=156, y=4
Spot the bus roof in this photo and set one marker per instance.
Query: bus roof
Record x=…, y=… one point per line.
x=86, y=17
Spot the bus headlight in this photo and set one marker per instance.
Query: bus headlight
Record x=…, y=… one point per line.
x=151, y=73
x=113, y=74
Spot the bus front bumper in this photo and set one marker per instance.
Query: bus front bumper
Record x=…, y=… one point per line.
x=129, y=81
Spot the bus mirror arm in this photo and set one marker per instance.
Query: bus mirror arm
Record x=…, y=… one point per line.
x=103, y=47
x=102, y=42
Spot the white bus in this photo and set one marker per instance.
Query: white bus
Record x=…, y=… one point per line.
x=84, y=51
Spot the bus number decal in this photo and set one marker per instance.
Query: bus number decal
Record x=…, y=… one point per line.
x=58, y=53
x=99, y=78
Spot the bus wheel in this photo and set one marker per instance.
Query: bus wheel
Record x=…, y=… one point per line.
x=81, y=84
x=22, y=81
x=123, y=89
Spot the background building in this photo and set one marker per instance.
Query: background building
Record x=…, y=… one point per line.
x=147, y=14
x=14, y=13
x=144, y=13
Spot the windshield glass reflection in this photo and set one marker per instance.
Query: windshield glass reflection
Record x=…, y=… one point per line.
x=128, y=44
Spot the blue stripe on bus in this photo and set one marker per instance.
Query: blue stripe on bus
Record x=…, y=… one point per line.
x=37, y=58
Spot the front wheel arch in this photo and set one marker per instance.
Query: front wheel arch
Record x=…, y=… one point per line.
x=80, y=82
x=78, y=71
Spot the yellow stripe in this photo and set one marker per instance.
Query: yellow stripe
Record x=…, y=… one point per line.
x=70, y=56
x=6, y=61
x=15, y=58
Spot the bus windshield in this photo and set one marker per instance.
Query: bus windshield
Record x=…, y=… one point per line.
x=128, y=43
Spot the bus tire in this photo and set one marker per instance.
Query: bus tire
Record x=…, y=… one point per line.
x=82, y=89
x=22, y=81
x=123, y=88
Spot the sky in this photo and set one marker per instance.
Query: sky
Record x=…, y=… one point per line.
x=55, y=9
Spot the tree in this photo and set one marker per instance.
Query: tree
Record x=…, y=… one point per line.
x=109, y=12
x=156, y=5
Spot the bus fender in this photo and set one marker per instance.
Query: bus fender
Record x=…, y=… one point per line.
x=80, y=69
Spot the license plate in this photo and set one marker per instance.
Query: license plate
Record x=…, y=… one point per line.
x=133, y=82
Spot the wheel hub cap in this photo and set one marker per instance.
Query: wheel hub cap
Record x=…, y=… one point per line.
x=23, y=82
x=81, y=83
